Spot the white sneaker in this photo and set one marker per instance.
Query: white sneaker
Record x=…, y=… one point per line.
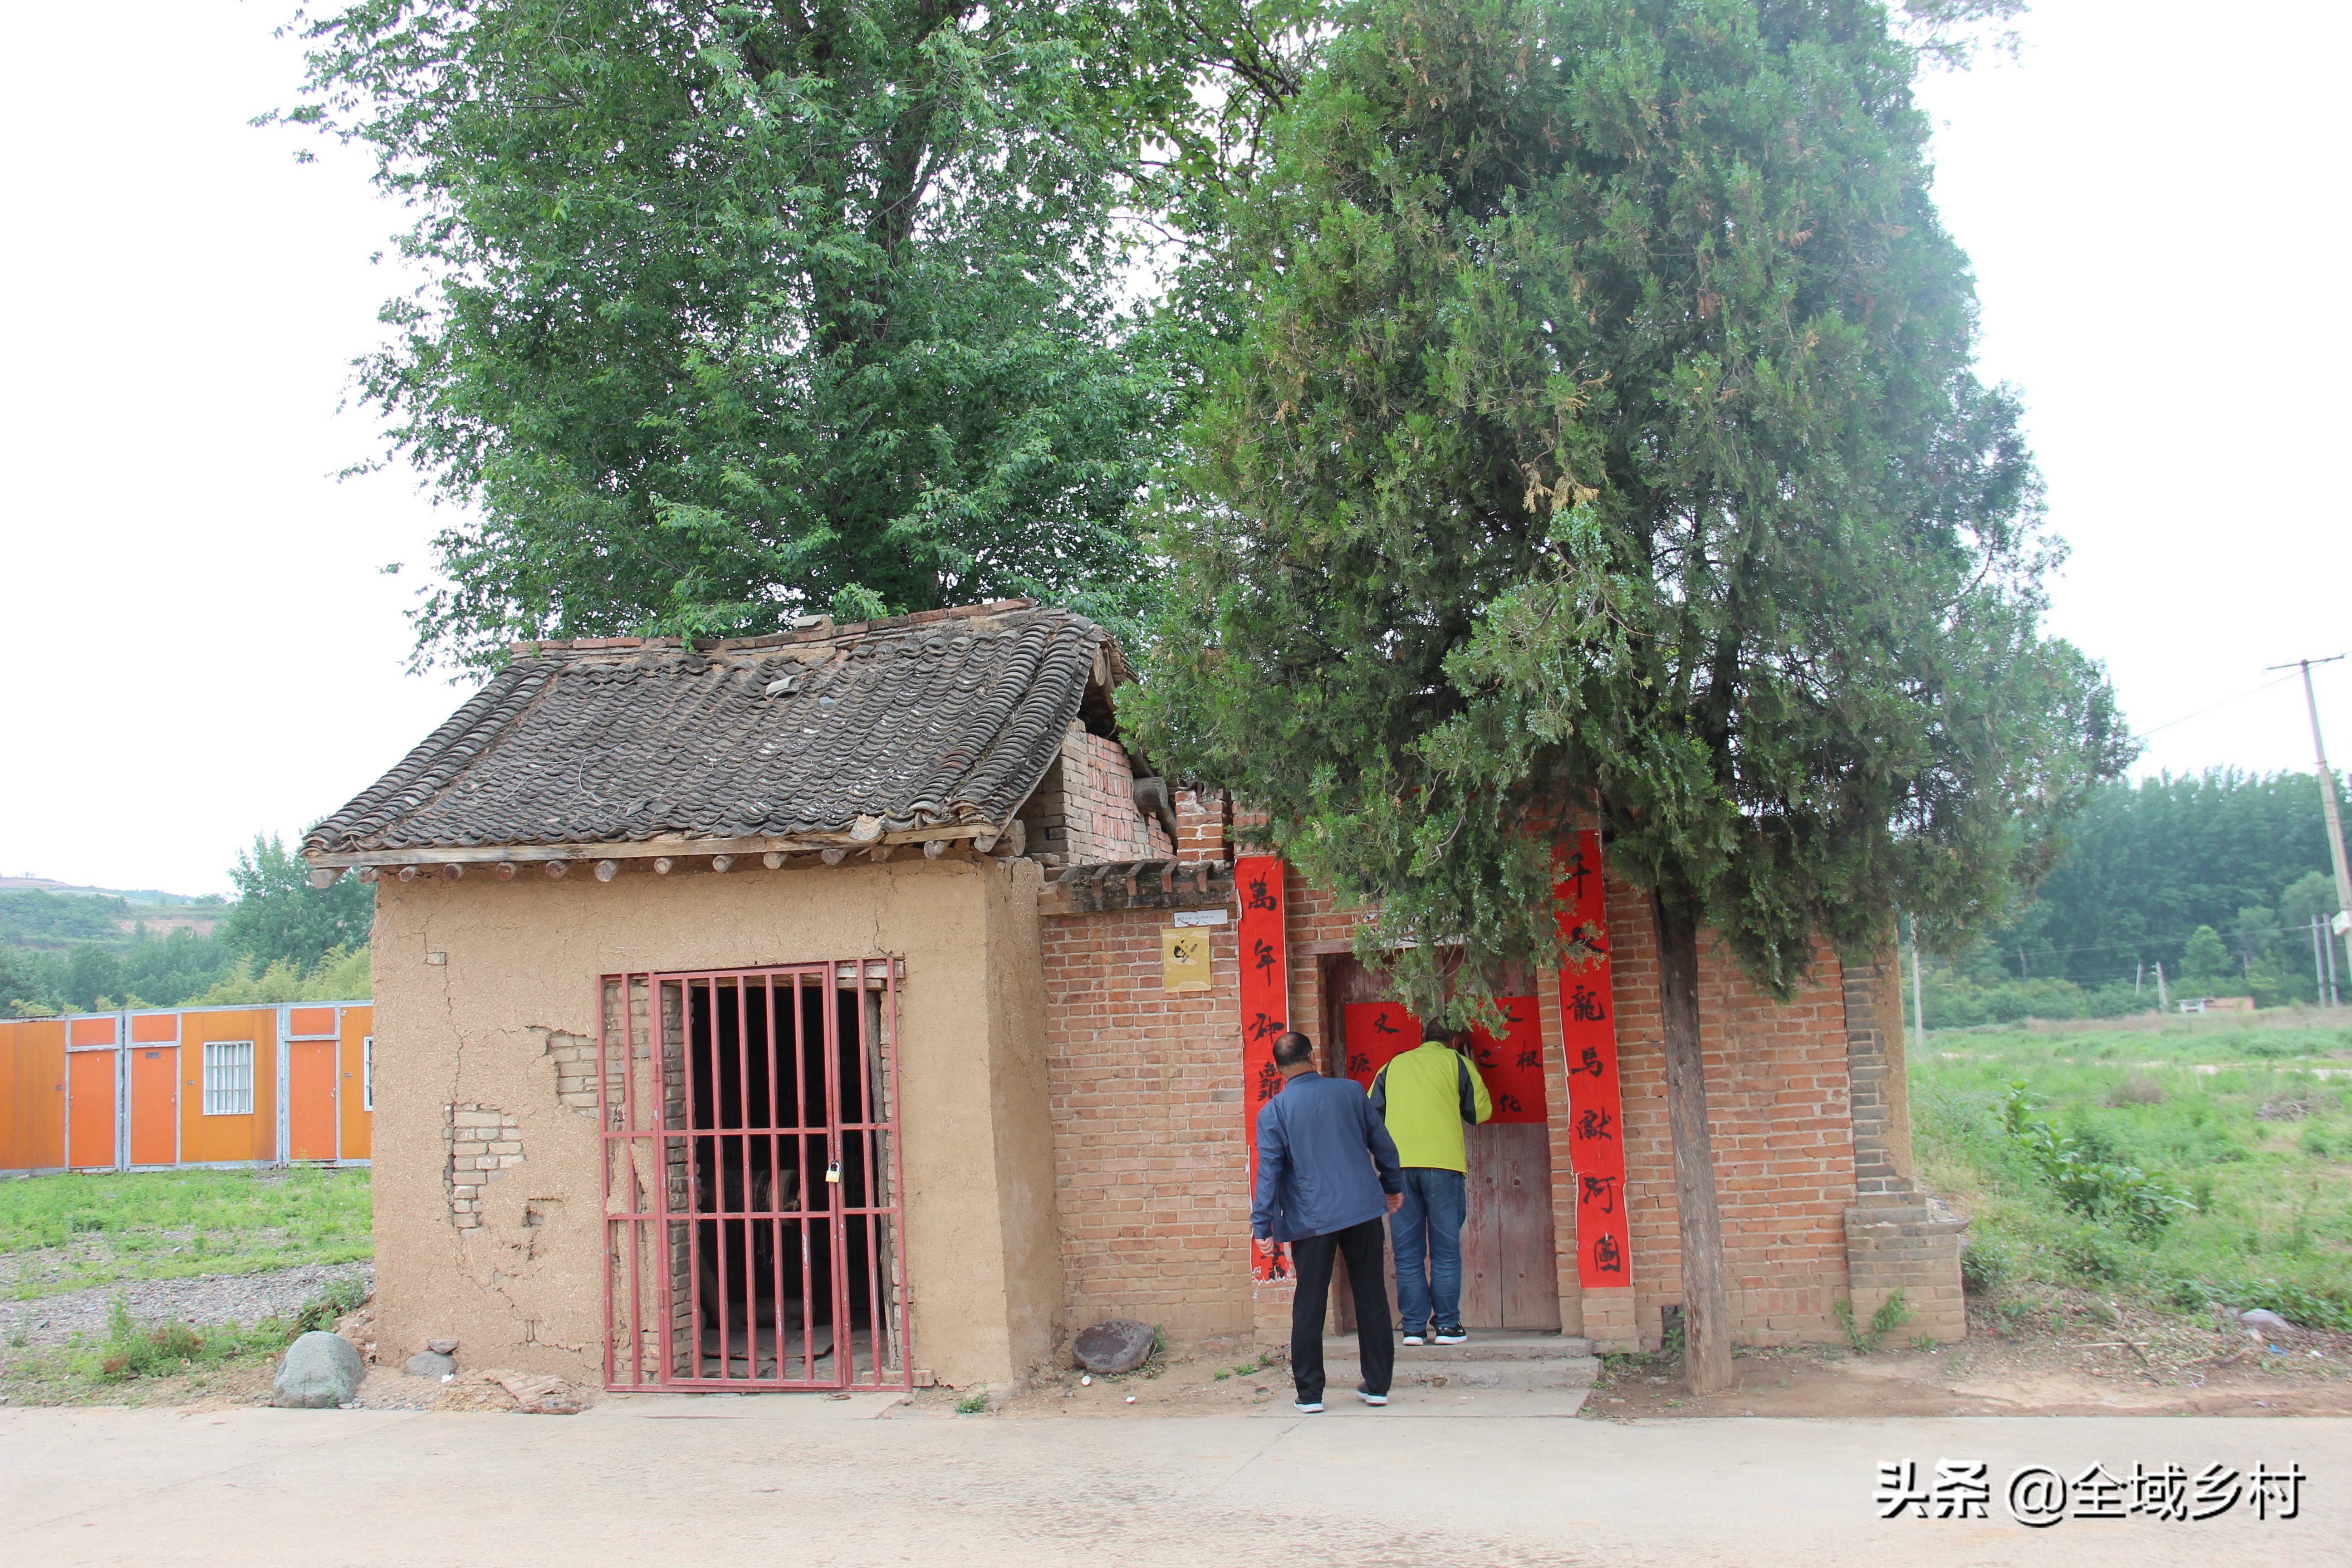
x=1308, y=1407
x=1368, y=1397
x=1416, y=1340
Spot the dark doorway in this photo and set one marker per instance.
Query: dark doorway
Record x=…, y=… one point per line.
x=777, y=1219
x=1509, y=1268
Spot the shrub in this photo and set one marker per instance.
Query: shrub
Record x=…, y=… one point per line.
x=2136, y=1088
x=1984, y=1266
x=2071, y=1163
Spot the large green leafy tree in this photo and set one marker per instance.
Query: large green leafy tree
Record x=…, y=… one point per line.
x=739, y=310
x=1605, y=437
x=279, y=915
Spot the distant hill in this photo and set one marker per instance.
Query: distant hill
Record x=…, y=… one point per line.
x=30, y=883
x=49, y=921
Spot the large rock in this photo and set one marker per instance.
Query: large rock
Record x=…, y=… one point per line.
x=1115, y=1345
x=323, y=1371
x=430, y=1363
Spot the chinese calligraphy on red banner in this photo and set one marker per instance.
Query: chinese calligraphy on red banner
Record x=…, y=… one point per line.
x=1588, y=1033
x=1512, y=1063
x=1265, y=1004
x=1378, y=1032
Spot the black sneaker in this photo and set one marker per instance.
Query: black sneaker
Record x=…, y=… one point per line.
x=1452, y=1336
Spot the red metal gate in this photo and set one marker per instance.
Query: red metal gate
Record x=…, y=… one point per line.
x=751, y=1178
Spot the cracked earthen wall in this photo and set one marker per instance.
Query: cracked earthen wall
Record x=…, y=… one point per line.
x=502, y=1027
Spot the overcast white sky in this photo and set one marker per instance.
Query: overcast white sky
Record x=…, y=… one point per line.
x=207, y=648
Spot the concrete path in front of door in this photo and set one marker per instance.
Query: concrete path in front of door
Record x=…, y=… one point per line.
x=808, y=1482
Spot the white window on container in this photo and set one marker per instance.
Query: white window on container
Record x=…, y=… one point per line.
x=367, y=1073
x=228, y=1078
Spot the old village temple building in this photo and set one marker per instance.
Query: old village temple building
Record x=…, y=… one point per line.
x=845, y=1008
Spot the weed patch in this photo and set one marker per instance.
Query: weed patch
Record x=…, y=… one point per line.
x=2183, y=1166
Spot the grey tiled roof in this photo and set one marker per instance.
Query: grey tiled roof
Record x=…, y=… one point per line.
x=945, y=719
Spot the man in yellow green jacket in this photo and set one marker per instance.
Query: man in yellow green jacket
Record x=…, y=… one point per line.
x=1426, y=1096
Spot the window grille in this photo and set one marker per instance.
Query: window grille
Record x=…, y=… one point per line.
x=367, y=1073
x=228, y=1078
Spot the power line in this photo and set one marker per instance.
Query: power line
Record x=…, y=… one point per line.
x=2240, y=697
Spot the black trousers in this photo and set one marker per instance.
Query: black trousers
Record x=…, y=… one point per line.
x=1362, y=1246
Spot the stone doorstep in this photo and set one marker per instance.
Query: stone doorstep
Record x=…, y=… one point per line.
x=1496, y=1361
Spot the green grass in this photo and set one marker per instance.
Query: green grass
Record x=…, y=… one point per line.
x=72, y=1232
x=2239, y=1110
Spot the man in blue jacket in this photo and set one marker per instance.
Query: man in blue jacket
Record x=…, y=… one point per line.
x=1327, y=1174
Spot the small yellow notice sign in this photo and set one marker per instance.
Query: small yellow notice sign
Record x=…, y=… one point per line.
x=1184, y=958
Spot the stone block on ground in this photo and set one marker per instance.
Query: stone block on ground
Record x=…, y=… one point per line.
x=1115, y=1345
x=322, y=1371
x=427, y=1363
x=540, y=1395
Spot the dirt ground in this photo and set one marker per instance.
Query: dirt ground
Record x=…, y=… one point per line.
x=2072, y=1361
x=2076, y=1363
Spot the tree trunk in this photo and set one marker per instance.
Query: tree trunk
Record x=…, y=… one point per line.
x=1706, y=1308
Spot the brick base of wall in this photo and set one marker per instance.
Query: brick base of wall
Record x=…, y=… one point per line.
x=1270, y=1312
x=1609, y=1320
x=1907, y=1247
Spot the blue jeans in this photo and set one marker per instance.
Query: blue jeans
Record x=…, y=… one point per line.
x=1427, y=1235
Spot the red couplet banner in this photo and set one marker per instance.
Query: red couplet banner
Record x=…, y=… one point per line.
x=1512, y=1062
x=1266, y=1007
x=1595, y=1109
x=1377, y=1033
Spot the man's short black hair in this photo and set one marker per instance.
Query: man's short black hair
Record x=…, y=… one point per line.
x=1291, y=1048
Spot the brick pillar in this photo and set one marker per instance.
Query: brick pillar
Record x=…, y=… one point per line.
x=1203, y=821
x=1895, y=1238
x=1914, y=1248
x=1879, y=1087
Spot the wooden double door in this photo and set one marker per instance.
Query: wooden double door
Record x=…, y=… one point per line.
x=1509, y=1267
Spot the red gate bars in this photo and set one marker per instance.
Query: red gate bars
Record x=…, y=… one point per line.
x=751, y=1178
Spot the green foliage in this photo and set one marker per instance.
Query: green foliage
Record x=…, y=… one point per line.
x=164, y=972
x=1891, y=1315
x=744, y=310
x=68, y=952
x=2148, y=863
x=342, y=974
x=1984, y=1266
x=973, y=1403
x=32, y=916
x=2205, y=961
x=279, y=916
x=1604, y=424
x=2087, y=1184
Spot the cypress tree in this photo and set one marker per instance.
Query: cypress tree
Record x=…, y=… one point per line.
x=1606, y=438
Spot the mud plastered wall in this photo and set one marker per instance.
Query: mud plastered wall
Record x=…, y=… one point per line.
x=486, y=996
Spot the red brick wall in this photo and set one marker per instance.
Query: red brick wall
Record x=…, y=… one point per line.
x=1779, y=1119
x=1145, y=1091
x=1150, y=1117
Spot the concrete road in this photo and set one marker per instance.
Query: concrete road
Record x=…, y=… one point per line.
x=806, y=1482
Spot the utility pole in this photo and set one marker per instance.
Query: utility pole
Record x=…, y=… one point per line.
x=2327, y=799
